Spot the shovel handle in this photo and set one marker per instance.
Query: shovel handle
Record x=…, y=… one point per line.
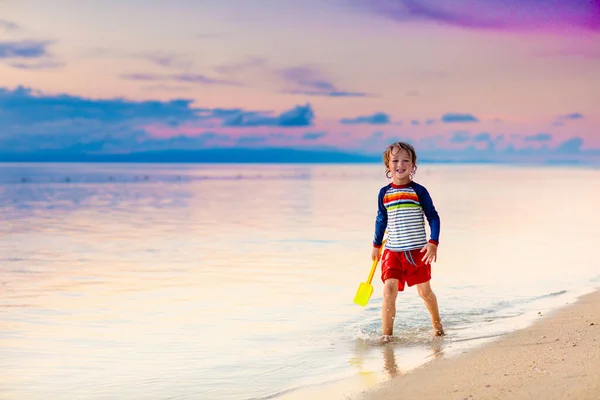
x=374, y=266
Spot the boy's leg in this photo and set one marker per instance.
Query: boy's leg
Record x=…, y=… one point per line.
x=388, y=308
x=430, y=300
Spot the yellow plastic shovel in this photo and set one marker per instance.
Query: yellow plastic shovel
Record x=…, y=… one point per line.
x=365, y=289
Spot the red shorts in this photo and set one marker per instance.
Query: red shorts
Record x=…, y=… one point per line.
x=406, y=266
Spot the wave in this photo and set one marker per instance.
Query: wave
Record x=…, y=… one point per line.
x=553, y=294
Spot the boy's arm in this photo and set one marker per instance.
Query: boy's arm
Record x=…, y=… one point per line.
x=431, y=213
x=381, y=220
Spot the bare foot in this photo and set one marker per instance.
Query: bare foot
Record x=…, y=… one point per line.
x=386, y=338
x=438, y=329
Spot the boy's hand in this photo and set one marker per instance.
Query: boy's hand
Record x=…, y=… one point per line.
x=430, y=250
x=375, y=253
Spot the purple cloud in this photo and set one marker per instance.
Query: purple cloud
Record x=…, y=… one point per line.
x=310, y=82
x=300, y=80
x=548, y=15
x=379, y=118
x=8, y=25
x=161, y=58
x=203, y=79
x=184, y=77
x=235, y=69
x=571, y=116
x=168, y=60
x=24, y=49
x=144, y=77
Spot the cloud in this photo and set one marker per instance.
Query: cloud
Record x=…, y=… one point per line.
x=38, y=65
x=166, y=59
x=8, y=25
x=182, y=77
x=24, y=49
x=25, y=106
x=540, y=137
x=202, y=79
x=160, y=58
x=313, y=135
x=31, y=120
x=335, y=93
x=167, y=88
x=458, y=118
x=144, y=77
x=299, y=116
x=299, y=80
x=571, y=116
x=561, y=120
x=482, y=137
x=460, y=137
x=28, y=55
x=379, y=118
x=309, y=81
x=253, y=64
x=507, y=15
x=572, y=145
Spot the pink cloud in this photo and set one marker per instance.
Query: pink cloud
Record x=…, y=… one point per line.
x=547, y=15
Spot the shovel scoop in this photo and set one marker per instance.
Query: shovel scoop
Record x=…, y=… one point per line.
x=365, y=289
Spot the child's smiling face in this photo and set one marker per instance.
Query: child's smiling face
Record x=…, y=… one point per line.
x=400, y=166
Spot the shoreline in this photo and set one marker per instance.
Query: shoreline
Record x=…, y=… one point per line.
x=557, y=357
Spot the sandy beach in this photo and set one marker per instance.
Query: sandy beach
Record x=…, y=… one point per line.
x=558, y=357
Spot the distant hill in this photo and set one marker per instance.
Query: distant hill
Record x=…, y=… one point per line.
x=287, y=155
x=274, y=155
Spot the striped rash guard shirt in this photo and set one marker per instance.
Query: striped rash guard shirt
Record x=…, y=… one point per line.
x=402, y=210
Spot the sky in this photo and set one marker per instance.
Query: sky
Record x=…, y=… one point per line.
x=459, y=79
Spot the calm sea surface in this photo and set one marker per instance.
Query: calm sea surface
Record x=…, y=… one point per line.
x=236, y=281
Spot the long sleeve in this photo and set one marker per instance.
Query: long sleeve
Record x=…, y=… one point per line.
x=431, y=213
x=381, y=219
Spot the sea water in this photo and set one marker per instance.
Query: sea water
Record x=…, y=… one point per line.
x=192, y=281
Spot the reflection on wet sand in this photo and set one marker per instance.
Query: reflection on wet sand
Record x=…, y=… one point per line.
x=389, y=360
x=389, y=350
x=361, y=352
x=398, y=355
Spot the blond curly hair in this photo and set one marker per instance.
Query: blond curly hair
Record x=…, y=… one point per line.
x=398, y=146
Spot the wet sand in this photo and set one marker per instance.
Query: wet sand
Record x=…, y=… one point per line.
x=558, y=357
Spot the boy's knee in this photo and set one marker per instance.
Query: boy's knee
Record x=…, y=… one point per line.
x=390, y=289
x=425, y=292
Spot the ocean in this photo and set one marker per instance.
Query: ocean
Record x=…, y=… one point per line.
x=236, y=281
